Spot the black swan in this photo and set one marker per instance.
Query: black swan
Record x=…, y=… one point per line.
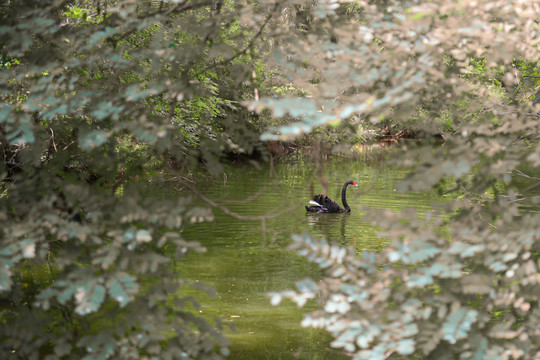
x=323, y=204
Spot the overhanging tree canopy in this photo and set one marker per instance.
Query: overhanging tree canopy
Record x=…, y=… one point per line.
x=94, y=94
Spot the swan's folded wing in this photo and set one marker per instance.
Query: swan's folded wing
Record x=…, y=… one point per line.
x=327, y=203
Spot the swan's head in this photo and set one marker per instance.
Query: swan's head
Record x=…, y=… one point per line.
x=351, y=182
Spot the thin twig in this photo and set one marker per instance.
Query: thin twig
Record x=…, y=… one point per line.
x=68, y=145
x=179, y=7
x=371, y=185
x=248, y=199
x=52, y=137
x=184, y=178
x=184, y=6
x=272, y=170
x=249, y=45
x=521, y=173
x=235, y=215
x=532, y=186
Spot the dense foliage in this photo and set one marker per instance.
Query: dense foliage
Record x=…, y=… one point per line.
x=97, y=96
x=461, y=281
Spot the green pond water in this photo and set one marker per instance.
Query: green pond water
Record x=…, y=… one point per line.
x=247, y=259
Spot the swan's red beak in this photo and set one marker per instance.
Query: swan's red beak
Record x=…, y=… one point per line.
x=355, y=184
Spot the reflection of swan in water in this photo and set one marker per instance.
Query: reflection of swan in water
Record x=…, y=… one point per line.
x=327, y=225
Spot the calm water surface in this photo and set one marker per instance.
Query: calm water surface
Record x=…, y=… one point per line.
x=247, y=259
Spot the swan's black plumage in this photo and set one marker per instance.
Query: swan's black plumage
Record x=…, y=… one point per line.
x=327, y=205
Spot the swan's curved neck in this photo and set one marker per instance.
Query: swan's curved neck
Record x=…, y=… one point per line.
x=344, y=198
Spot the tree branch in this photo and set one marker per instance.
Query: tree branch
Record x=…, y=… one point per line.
x=250, y=44
x=236, y=215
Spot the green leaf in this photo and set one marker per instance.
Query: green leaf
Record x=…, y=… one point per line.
x=27, y=248
x=481, y=349
x=98, y=347
x=65, y=295
x=210, y=291
x=419, y=16
x=365, y=335
x=122, y=287
x=456, y=168
x=5, y=276
x=414, y=252
x=477, y=283
x=143, y=236
x=24, y=133
x=5, y=113
x=457, y=324
x=419, y=279
x=429, y=337
x=465, y=249
x=275, y=298
x=89, y=298
x=91, y=140
x=405, y=347
x=307, y=287
x=62, y=348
